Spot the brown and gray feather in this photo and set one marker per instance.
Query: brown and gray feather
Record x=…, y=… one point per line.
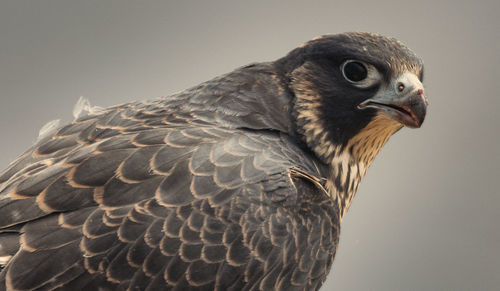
x=170, y=194
x=213, y=188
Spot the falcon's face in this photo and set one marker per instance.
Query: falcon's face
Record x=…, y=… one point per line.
x=354, y=86
x=400, y=98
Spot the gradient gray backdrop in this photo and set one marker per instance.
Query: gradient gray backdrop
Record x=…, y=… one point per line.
x=426, y=216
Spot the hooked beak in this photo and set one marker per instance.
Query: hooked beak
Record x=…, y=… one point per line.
x=403, y=101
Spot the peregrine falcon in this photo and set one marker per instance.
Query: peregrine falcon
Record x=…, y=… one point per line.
x=239, y=183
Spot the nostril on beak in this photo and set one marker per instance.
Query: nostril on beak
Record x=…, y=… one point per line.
x=400, y=87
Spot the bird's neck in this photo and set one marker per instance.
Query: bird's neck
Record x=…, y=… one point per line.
x=348, y=159
x=349, y=163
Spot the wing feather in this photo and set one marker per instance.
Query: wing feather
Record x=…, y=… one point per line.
x=114, y=202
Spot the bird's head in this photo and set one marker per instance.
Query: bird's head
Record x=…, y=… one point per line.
x=352, y=91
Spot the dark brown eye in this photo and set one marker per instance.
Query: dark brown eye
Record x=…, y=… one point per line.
x=354, y=71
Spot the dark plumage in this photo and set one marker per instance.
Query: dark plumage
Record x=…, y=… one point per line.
x=239, y=183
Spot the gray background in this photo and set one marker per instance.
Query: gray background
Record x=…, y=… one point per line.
x=426, y=216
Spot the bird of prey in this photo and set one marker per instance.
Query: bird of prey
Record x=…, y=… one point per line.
x=239, y=183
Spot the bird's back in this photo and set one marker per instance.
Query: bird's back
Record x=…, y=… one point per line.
x=167, y=194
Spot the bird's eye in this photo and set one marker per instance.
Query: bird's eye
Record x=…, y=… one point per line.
x=354, y=71
x=360, y=74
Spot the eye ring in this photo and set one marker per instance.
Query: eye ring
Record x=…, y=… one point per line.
x=360, y=74
x=354, y=71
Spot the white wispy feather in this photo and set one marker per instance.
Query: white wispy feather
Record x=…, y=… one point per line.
x=83, y=107
x=48, y=128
